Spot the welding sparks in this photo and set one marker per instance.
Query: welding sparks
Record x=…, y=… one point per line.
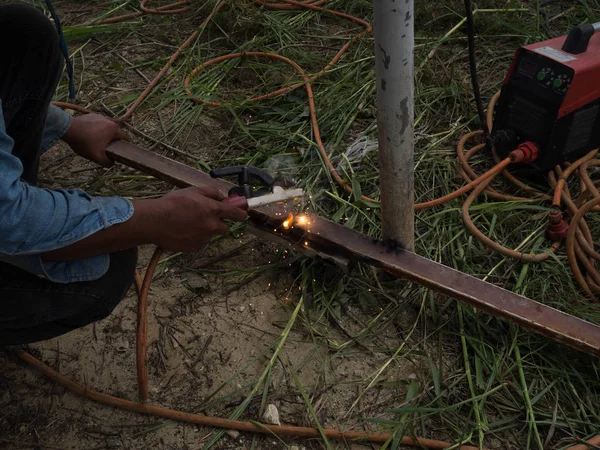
x=302, y=220
x=287, y=223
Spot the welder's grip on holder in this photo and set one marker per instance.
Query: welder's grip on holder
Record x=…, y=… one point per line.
x=238, y=201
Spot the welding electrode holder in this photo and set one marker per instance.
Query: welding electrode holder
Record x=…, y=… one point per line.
x=239, y=194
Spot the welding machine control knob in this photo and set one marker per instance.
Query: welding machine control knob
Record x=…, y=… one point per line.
x=557, y=82
x=542, y=75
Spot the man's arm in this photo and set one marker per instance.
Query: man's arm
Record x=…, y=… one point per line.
x=57, y=124
x=183, y=220
x=67, y=225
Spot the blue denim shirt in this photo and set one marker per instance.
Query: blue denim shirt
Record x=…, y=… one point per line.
x=35, y=220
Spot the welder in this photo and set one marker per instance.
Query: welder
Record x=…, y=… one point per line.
x=68, y=258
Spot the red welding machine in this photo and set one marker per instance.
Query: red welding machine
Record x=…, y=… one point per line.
x=551, y=97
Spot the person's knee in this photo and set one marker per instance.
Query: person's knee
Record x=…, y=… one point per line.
x=31, y=23
x=125, y=263
x=32, y=35
x=119, y=278
x=108, y=291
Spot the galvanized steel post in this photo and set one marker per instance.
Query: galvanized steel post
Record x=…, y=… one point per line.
x=394, y=45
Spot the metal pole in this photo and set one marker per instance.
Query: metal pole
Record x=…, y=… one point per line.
x=394, y=45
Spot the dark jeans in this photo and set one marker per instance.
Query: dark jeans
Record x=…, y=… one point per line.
x=34, y=309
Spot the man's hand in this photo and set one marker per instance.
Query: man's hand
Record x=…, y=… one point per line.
x=89, y=136
x=192, y=216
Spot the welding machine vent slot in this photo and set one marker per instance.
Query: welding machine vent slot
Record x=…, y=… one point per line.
x=527, y=116
x=581, y=129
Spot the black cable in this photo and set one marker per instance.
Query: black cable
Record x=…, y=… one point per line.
x=473, y=69
x=63, y=48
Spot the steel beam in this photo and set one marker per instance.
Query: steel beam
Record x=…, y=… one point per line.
x=340, y=243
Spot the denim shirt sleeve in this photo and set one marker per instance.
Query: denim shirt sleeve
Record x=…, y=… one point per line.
x=35, y=220
x=57, y=124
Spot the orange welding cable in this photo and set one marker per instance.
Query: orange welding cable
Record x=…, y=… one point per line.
x=311, y=104
x=592, y=274
x=587, y=182
x=314, y=6
x=583, y=235
x=170, y=10
x=137, y=282
x=195, y=34
x=165, y=9
x=571, y=244
x=142, y=329
x=469, y=174
x=579, y=248
x=582, y=252
x=306, y=81
x=217, y=422
x=528, y=257
x=568, y=171
x=278, y=5
x=485, y=178
x=589, y=445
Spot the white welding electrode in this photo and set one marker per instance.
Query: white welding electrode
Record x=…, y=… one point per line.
x=279, y=195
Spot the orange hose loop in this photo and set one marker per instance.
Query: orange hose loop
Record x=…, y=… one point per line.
x=467, y=172
x=282, y=6
x=592, y=443
x=217, y=422
x=214, y=61
x=571, y=246
x=527, y=257
x=568, y=171
x=489, y=175
x=168, y=9
x=165, y=9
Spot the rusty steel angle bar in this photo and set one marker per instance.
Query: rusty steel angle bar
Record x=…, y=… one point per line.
x=338, y=243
